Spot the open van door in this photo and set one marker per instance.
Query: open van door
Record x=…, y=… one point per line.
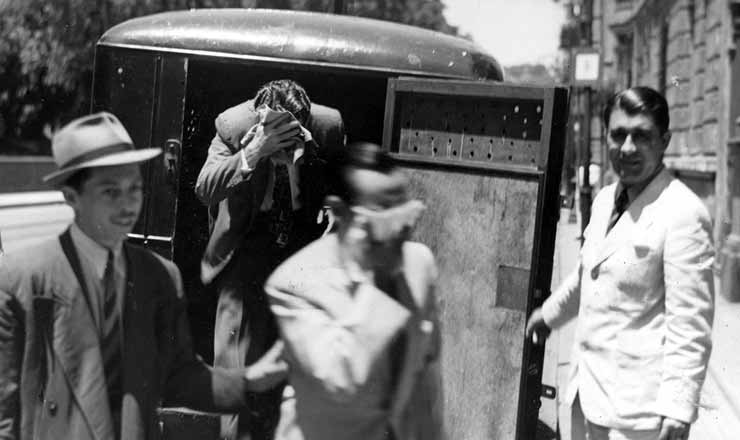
x=147, y=93
x=486, y=159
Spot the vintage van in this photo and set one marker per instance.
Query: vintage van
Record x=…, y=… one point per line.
x=485, y=156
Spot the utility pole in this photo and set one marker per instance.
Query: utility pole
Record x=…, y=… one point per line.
x=585, y=189
x=585, y=20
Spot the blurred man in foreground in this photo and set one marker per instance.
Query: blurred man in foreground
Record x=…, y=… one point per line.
x=356, y=311
x=643, y=289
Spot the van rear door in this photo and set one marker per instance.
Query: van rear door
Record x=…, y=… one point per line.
x=486, y=159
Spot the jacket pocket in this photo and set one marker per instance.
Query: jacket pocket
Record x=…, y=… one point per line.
x=639, y=358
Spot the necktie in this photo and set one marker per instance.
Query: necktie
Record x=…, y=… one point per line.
x=282, y=205
x=111, y=336
x=620, y=205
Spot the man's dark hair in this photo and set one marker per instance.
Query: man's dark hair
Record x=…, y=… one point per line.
x=640, y=101
x=359, y=156
x=76, y=180
x=287, y=94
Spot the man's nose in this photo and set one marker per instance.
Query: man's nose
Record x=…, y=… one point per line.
x=130, y=201
x=628, y=146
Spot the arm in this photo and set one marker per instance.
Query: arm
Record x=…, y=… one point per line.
x=10, y=363
x=688, y=256
x=558, y=309
x=338, y=353
x=563, y=304
x=221, y=173
x=228, y=166
x=192, y=383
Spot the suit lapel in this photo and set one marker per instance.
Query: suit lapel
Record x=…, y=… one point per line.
x=139, y=357
x=76, y=346
x=638, y=216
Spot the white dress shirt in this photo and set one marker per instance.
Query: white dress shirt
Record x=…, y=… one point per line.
x=93, y=259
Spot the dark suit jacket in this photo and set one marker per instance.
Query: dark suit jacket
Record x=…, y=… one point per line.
x=51, y=372
x=234, y=198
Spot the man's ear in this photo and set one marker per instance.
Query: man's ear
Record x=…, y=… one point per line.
x=70, y=196
x=666, y=139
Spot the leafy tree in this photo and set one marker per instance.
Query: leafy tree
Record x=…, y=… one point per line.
x=47, y=48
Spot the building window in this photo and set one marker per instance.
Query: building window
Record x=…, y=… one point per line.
x=623, y=5
x=624, y=61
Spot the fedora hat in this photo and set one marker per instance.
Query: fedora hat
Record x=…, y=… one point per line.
x=97, y=140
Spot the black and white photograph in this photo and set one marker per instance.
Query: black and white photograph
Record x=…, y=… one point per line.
x=369, y=219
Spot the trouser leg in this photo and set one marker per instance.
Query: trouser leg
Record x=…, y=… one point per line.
x=577, y=421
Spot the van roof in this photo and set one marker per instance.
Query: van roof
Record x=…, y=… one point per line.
x=306, y=37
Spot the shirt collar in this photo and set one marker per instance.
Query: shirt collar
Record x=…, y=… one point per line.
x=89, y=249
x=634, y=191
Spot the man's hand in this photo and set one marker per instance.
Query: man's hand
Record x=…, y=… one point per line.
x=267, y=139
x=537, y=329
x=269, y=370
x=672, y=429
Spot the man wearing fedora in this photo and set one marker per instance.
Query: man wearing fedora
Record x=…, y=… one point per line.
x=93, y=330
x=264, y=182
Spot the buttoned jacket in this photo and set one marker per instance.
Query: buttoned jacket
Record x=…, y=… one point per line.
x=644, y=296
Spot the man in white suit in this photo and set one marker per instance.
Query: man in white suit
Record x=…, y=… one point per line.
x=642, y=290
x=357, y=314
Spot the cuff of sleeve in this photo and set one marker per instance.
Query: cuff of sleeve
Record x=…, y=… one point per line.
x=551, y=316
x=245, y=167
x=678, y=399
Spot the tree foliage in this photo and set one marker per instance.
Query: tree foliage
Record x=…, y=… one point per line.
x=47, y=47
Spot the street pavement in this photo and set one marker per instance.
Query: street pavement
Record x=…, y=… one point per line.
x=719, y=411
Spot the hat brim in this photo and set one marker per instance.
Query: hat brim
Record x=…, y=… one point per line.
x=58, y=177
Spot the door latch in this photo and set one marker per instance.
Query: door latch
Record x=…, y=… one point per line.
x=171, y=159
x=548, y=391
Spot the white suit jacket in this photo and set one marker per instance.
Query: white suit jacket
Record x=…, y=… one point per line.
x=644, y=296
x=337, y=334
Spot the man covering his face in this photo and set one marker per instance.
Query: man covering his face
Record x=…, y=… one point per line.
x=264, y=182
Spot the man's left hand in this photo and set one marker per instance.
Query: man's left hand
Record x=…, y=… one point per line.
x=269, y=370
x=672, y=429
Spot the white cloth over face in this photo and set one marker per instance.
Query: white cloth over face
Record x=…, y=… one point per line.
x=291, y=159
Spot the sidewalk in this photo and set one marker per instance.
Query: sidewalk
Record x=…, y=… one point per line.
x=719, y=413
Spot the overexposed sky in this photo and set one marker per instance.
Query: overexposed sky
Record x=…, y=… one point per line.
x=513, y=31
